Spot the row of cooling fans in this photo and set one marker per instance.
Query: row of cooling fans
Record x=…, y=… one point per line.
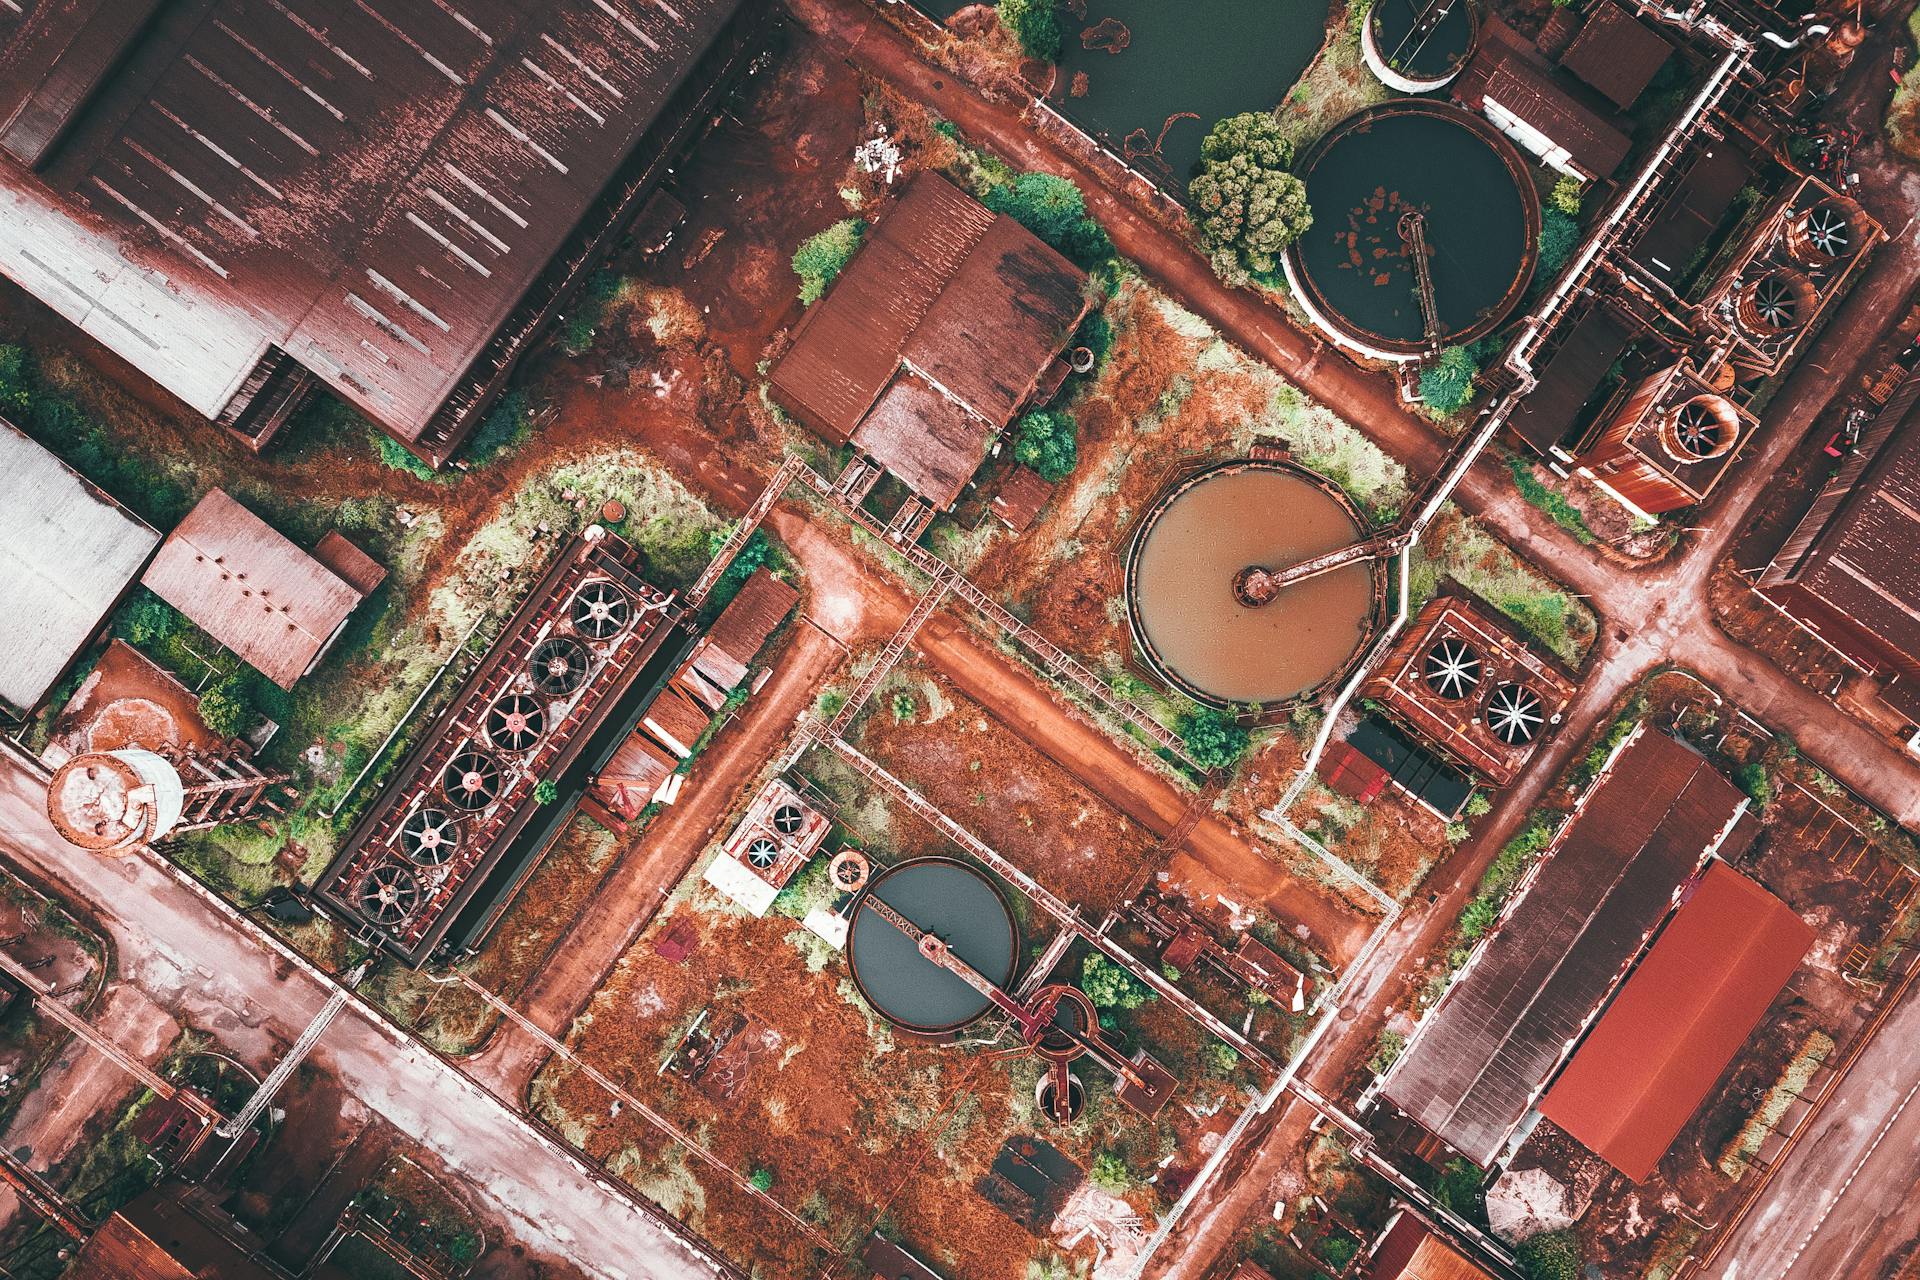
x=1512, y=712
x=513, y=725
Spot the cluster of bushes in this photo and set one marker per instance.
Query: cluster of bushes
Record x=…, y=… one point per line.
x=822, y=256
x=1551, y=501
x=1551, y=1255
x=1213, y=738
x=1478, y=917
x=69, y=431
x=1248, y=206
x=1112, y=988
x=1047, y=441
x=1055, y=210
x=1035, y=24
x=1446, y=383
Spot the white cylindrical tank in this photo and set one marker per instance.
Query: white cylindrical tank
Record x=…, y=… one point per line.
x=112, y=801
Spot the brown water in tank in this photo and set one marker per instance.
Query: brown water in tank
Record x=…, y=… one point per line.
x=1183, y=586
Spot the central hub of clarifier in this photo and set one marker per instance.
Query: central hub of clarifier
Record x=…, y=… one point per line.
x=1254, y=586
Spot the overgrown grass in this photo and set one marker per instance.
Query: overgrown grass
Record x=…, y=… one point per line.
x=1461, y=549
x=1551, y=501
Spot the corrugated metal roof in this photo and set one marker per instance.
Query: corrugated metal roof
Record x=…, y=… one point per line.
x=375, y=186
x=1509, y=71
x=1617, y=53
x=1474, y=1068
x=751, y=616
x=1655, y=1054
x=1410, y=1251
x=969, y=302
x=250, y=588
x=67, y=554
x=1569, y=378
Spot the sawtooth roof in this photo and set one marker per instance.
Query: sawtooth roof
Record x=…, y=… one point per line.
x=1678, y=1021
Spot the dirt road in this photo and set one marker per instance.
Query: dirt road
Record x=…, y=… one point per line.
x=187, y=954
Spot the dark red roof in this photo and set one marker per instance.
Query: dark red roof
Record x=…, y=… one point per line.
x=744, y=625
x=376, y=186
x=1020, y=497
x=1508, y=71
x=1654, y=1056
x=1617, y=53
x=945, y=301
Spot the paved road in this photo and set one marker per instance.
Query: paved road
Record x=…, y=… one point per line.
x=1842, y=1206
x=188, y=954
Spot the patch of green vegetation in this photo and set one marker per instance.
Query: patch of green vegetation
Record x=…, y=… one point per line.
x=1903, y=113
x=1336, y=1249
x=1458, y=1186
x=1446, y=383
x=1055, y=210
x=1047, y=441
x=400, y=458
x=822, y=256
x=1559, y=237
x=1327, y=443
x=1551, y=501
x=588, y=309
x=1247, y=205
x=1387, y=1049
x=761, y=1179
x=1551, y=1255
x=1035, y=24
x=1463, y=550
x=1109, y=1172
x=1753, y=778
x=1212, y=738
x=1111, y=987
x=506, y=428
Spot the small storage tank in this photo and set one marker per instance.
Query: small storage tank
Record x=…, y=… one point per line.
x=115, y=801
x=1417, y=46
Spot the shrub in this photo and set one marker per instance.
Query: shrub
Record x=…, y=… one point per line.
x=1212, y=738
x=396, y=455
x=1110, y=1173
x=1221, y=1056
x=1386, y=1051
x=1551, y=1255
x=1096, y=335
x=545, y=792
x=1478, y=918
x=758, y=550
x=1111, y=987
x=1056, y=211
x=1458, y=1186
x=505, y=426
x=904, y=707
x=1551, y=501
x=1247, y=207
x=1565, y=197
x=1035, y=24
x=1337, y=1250
x=761, y=1179
x=15, y=396
x=823, y=255
x=148, y=620
x=1255, y=134
x=1559, y=237
x=1752, y=778
x=226, y=708
x=1446, y=384
x=1047, y=441
x=1478, y=806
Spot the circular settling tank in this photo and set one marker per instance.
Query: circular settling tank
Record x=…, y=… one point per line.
x=1197, y=542
x=1478, y=215
x=1417, y=46
x=955, y=903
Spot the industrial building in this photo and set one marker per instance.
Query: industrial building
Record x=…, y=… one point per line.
x=462, y=822
x=1475, y=1068
x=68, y=555
x=1408, y=1249
x=172, y=1233
x=244, y=203
x=249, y=587
x=1847, y=570
x=1688, y=1007
x=946, y=325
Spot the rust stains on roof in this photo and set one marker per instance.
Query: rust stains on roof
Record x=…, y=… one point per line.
x=1617, y=53
x=1509, y=74
x=1474, y=1068
x=1678, y=1021
x=933, y=338
x=1409, y=1250
x=251, y=588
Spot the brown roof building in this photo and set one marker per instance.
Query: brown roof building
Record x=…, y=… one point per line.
x=1558, y=120
x=241, y=200
x=1668, y=1036
x=719, y=662
x=253, y=590
x=1409, y=1250
x=942, y=329
x=159, y=1236
x=1478, y=1062
x=1617, y=53
x=1848, y=571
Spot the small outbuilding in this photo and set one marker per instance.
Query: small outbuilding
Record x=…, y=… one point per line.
x=1617, y=53
x=249, y=587
x=946, y=324
x=68, y=555
x=1409, y=1250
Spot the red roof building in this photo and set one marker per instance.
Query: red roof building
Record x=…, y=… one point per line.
x=1555, y=118
x=388, y=198
x=720, y=661
x=1408, y=1250
x=943, y=327
x=1678, y=1021
x=246, y=585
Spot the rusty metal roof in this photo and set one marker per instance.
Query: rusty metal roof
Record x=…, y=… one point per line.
x=246, y=585
x=374, y=187
x=1617, y=53
x=1509, y=72
x=1678, y=1021
x=948, y=313
x=1474, y=1068
x=749, y=619
x=1409, y=1250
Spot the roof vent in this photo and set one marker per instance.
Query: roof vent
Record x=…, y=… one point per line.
x=472, y=780
x=559, y=665
x=1700, y=429
x=1513, y=714
x=429, y=836
x=600, y=610
x=1451, y=669
x=515, y=722
x=762, y=853
x=388, y=894
x=1776, y=304
x=1820, y=235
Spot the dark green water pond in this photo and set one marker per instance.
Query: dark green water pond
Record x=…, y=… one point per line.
x=1481, y=221
x=1183, y=65
x=946, y=898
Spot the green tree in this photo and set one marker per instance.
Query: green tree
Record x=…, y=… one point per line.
x=823, y=255
x=545, y=791
x=148, y=620
x=1551, y=1255
x=1055, y=210
x=1035, y=24
x=1110, y=1173
x=1047, y=441
x=1565, y=196
x=1247, y=207
x=1446, y=384
x=1337, y=1250
x=1477, y=918
x=1752, y=778
x=1212, y=738
x=16, y=396
x=226, y=707
x=761, y=1179
x=1559, y=237
x=1111, y=987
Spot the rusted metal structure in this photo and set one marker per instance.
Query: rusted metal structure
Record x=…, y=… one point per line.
x=1847, y=572
x=948, y=322
x=1668, y=443
x=1467, y=684
x=245, y=202
x=721, y=660
x=249, y=587
x=1187, y=940
x=1409, y=1249
x=779, y=833
x=1478, y=1062
x=113, y=802
x=1555, y=117
x=434, y=846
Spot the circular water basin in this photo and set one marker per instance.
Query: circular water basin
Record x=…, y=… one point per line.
x=954, y=902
